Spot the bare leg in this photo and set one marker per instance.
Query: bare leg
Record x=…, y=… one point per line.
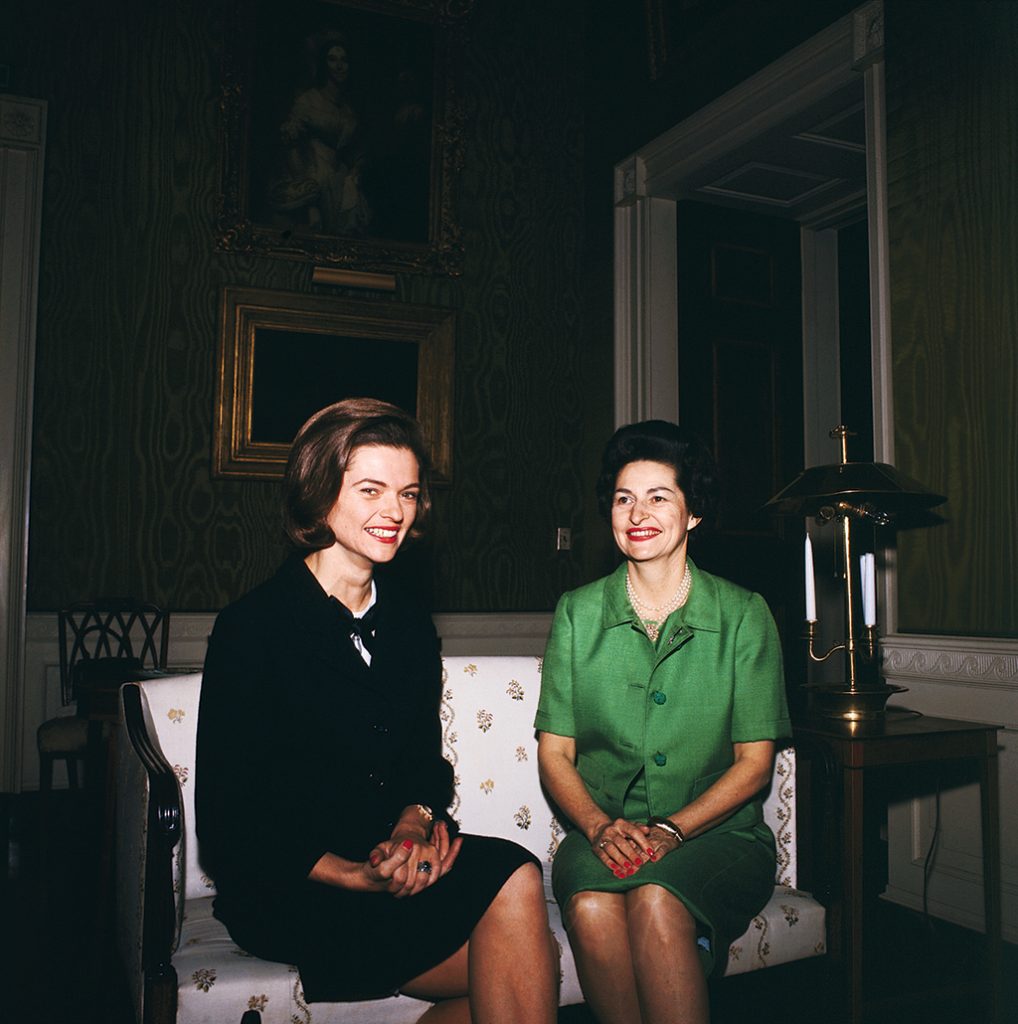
x=446, y=983
x=670, y=982
x=509, y=967
x=598, y=933
x=449, y=1011
x=513, y=960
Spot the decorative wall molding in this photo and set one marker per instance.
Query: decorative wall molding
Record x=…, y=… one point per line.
x=629, y=179
x=522, y=633
x=868, y=33
x=966, y=661
x=22, y=121
x=790, y=84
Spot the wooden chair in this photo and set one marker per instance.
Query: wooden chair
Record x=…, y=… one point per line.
x=101, y=643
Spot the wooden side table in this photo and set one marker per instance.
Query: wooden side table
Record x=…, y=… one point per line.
x=843, y=751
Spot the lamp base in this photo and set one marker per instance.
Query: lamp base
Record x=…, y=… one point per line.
x=851, y=705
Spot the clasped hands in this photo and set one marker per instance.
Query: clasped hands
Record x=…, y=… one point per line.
x=398, y=864
x=625, y=846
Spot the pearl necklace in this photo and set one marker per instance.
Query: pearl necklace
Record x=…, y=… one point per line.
x=653, y=625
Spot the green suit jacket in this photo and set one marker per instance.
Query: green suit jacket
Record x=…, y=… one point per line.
x=672, y=711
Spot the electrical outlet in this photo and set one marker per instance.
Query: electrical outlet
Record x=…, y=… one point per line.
x=563, y=538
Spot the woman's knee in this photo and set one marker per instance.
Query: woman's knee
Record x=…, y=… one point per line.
x=653, y=908
x=526, y=883
x=520, y=900
x=593, y=910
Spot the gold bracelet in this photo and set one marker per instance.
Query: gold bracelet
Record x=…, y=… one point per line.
x=669, y=826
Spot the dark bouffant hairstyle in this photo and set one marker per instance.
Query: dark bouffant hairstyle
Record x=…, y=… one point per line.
x=660, y=441
x=321, y=452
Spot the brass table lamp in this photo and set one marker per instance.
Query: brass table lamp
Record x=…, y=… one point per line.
x=850, y=494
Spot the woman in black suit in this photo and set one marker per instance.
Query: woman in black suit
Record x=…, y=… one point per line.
x=321, y=787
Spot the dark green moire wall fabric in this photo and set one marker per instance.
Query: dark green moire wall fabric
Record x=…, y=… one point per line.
x=122, y=499
x=952, y=149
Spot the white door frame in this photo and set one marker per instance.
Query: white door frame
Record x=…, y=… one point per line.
x=22, y=142
x=646, y=186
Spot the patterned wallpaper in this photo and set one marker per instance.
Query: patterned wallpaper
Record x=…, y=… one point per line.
x=953, y=195
x=122, y=499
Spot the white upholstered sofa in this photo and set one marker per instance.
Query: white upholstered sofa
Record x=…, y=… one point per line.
x=182, y=965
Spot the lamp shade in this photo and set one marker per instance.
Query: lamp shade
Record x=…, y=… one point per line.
x=873, y=484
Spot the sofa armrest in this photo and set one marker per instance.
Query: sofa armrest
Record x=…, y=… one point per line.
x=148, y=790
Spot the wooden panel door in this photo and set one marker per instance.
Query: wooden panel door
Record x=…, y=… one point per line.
x=740, y=388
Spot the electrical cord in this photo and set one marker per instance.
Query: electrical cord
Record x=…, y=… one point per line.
x=928, y=862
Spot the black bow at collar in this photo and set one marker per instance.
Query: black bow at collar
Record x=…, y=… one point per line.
x=362, y=626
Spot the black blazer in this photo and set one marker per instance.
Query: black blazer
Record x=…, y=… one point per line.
x=302, y=748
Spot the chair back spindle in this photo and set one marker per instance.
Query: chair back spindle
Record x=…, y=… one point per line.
x=110, y=628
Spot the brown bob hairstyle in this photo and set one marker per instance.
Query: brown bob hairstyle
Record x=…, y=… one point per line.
x=322, y=450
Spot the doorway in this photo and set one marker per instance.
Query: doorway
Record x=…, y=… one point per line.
x=801, y=142
x=740, y=389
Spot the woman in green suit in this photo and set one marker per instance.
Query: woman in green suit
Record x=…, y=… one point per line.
x=661, y=701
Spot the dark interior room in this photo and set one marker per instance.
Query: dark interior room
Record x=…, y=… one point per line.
x=790, y=227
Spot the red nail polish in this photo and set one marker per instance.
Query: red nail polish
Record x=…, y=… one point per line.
x=630, y=871
x=627, y=864
x=650, y=853
x=638, y=862
x=408, y=844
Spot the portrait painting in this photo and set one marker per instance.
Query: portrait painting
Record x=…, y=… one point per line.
x=341, y=133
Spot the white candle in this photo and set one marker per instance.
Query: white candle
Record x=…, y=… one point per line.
x=867, y=573
x=811, y=590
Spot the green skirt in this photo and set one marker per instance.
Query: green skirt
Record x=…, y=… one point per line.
x=723, y=877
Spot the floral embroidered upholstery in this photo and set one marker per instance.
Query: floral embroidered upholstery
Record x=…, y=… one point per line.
x=488, y=707
x=793, y=926
x=487, y=726
x=487, y=714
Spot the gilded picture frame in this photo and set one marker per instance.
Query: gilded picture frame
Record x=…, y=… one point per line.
x=342, y=132
x=283, y=355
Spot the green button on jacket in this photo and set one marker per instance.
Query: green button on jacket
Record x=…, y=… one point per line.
x=672, y=710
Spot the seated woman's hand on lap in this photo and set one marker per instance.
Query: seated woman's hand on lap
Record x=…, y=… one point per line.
x=410, y=850
x=621, y=846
